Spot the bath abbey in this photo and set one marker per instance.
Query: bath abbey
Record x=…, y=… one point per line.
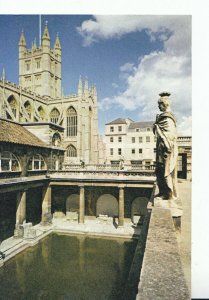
x=38, y=100
x=99, y=221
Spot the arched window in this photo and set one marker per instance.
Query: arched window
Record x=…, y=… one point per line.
x=9, y=162
x=28, y=108
x=71, y=122
x=41, y=112
x=54, y=115
x=13, y=105
x=71, y=151
x=36, y=163
x=56, y=139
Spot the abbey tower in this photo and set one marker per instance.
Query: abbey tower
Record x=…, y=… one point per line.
x=40, y=67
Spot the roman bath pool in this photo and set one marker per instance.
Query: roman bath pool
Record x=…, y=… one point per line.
x=69, y=267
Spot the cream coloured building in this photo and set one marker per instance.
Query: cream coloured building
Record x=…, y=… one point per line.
x=38, y=99
x=132, y=142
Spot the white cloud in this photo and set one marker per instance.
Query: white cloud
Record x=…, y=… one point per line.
x=158, y=27
x=169, y=69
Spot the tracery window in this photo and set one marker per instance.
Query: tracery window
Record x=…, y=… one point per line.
x=54, y=115
x=71, y=151
x=36, y=162
x=71, y=122
x=9, y=162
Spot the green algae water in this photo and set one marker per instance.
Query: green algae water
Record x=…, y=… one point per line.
x=69, y=267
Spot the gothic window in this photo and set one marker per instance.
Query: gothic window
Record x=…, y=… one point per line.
x=71, y=151
x=9, y=162
x=38, y=64
x=13, y=105
x=71, y=122
x=54, y=115
x=36, y=163
x=27, y=65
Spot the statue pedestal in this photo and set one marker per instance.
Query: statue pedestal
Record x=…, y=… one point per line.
x=175, y=207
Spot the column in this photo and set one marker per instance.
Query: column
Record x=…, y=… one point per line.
x=81, y=205
x=46, y=217
x=21, y=207
x=121, y=207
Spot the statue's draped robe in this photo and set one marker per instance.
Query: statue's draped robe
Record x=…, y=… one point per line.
x=166, y=154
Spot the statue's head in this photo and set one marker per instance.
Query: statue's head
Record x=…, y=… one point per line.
x=164, y=102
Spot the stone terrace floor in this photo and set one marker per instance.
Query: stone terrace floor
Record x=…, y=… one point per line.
x=184, y=236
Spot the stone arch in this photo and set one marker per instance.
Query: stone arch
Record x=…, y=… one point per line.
x=12, y=101
x=72, y=203
x=107, y=204
x=56, y=139
x=41, y=112
x=28, y=108
x=138, y=208
x=54, y=115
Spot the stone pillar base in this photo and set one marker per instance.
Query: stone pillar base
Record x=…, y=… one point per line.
x=19, y=231
x=29, y=232
x=46, y=219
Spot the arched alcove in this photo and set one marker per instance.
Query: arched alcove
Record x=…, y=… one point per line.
x=138, y=208
x=107, y=204
x=72, y=203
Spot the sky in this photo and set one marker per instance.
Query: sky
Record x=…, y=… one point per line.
x=130, y=58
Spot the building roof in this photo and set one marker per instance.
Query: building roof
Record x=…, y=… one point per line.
x=135, y=125
x=120, y=121
x=12, y=132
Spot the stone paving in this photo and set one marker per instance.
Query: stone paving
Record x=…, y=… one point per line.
x=96, y=226
x=184, y=236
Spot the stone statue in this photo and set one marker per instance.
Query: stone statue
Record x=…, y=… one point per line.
x=166, y=149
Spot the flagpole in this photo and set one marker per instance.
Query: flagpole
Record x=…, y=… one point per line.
x=39, y=30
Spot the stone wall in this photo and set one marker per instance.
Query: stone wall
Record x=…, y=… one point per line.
x=162, y=275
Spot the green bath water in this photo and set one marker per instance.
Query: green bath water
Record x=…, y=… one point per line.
x=69, y=267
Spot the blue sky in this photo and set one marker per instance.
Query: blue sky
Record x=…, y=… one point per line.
x=129, y=58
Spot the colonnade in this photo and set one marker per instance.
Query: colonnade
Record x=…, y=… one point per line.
x=46, y=205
